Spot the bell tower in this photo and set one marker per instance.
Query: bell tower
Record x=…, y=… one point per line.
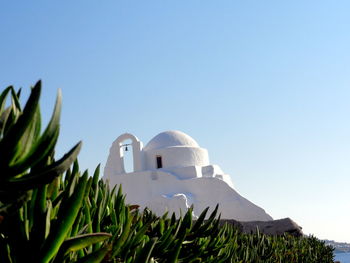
x=115, y=163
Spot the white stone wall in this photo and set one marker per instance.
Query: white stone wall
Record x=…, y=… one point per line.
x=188, y=172
x=177, y=157
x=142, y=188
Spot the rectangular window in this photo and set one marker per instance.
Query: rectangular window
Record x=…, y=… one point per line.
x=159, y=161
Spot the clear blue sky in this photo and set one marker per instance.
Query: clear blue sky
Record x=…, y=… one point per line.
x=263, y=85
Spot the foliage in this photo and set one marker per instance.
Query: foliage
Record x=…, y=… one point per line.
x=26, y=155
x=134, y=236
x=72, y=217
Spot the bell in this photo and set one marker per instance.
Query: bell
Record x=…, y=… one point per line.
x=126, y=148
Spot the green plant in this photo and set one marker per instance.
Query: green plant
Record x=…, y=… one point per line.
x=26, y=155
x=36, y=218
x=124, y=234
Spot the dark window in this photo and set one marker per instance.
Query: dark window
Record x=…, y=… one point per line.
x=159, y=162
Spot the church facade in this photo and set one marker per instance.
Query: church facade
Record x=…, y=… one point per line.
x=171, y=173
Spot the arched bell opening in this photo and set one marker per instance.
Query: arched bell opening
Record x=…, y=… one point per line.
x=126, y=149
x=125, y=155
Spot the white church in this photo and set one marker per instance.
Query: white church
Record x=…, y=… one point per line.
x=171, y=173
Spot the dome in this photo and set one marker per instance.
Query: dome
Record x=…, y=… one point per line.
x=170, y=139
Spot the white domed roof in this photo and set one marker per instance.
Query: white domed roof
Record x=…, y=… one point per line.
x=170, y=139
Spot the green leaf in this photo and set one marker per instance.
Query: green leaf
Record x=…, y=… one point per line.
x=82, y=241
x=200, y=220
x=29, y=137
x=10, y=140
x=87, y=212
x=48, y=218
x=3, y=96
x=187, y=221
x=145, y=253
x=65, y=219
x=95, y=257
x=5, y=118
x=125, y=233
x=95, y=181
x=137, y=238
x=42, y=146
x=176, y=250
x=15, y=100
x=38, y=232
x=46, y=175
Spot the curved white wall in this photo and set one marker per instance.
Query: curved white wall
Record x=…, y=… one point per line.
x=187, y=172
x=177, y=157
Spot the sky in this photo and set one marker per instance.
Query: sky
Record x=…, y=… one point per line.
x=263, y=85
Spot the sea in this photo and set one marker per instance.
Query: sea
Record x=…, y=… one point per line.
x=342, y=257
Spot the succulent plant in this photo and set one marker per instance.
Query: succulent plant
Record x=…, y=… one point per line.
x=26, y=155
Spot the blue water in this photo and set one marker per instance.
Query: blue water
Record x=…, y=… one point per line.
x=343, y=257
